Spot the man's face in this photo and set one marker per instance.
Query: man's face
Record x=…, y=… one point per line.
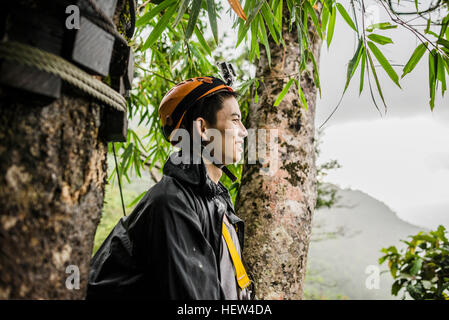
x=232, y=132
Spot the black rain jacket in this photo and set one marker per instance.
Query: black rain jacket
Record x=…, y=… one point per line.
x=169, y=246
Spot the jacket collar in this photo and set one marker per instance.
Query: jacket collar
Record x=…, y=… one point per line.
x=193, y=174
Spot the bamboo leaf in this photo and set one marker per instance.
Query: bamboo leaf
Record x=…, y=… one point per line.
x=196, y=6
x=316, y=76
x=346, y=16
x=324, y=17
x=353, y=63
x=381, y=26
x=331, y=27
x=379, y=89
x=384, y=63
x=308, y=8
x=443, y=42
x=414, y=59
x=441, y=74
x=137, y=199
x=283, y=92
x=244, y=27
x=362, y=71
x=147, y=17
x=182, y=9
x=380, y=39
x=301, y=94
x=202, y=41
x=212, y=18
x=433, y=61
x=254, y=42
x=269, y=19
x=159, y=28
x=265, y=42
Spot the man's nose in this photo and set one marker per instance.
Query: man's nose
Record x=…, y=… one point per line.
x=244, y=132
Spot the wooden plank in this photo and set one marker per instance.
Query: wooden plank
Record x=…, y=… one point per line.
x=42, y=31
x=129, y=76
x=37, y=29
x=92, y=48
x=30, y=79
x=114, y=125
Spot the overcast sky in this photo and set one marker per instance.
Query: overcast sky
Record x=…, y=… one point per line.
x=402, y=158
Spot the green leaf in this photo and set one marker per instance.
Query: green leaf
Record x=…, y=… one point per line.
x=443, y=42
x=397, y=285
x=362, y=71
x=243, y=29
x=441, y=75
x=254, y=43
x=384, y=63
x=159, y=28
x=265, y=42
x=137, y=199
x=381, y=26
x=269, y=19
x=202, y=41
x=182, y=9
x=301, y=94
x=414, y=59
x=196, y=6
x=444, y=25
x=379, y=89
x=308, y=8
x=379, y=39
x=331, y=27
x=353, y=63
x=146, y=18
x=283, y=92
x=212, y=18
x=346, y=16
x=316, y=76
x=416, y=267
x=324, y=17
x=433, y=61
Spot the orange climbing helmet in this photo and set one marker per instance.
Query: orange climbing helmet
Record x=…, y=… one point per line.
x=182, y=96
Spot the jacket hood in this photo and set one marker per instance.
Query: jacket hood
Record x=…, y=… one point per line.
x=193, y=174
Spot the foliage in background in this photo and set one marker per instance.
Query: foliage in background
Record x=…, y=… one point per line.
x=171, y=45
x=326, y=193
x=422, y=268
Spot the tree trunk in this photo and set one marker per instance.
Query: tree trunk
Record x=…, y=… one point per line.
x=53, y=171
x=52, y=177
x=278, y=208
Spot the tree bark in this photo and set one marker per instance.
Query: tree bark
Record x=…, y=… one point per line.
x=52, y=177
x=278, y=208
x=53, y=172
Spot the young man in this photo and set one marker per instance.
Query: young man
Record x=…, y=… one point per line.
x=183, y=240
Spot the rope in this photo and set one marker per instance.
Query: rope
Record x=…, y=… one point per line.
x=68, y=72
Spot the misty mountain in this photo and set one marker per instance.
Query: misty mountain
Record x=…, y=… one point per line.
x=346, y=244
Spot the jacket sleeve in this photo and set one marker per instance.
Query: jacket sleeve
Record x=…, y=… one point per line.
x=181, y=259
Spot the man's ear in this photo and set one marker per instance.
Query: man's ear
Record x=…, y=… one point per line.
x=201, y=126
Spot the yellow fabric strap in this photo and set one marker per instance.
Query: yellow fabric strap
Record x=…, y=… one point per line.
x=242, y=277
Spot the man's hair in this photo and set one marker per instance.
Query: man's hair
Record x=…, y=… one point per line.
x=206, y=108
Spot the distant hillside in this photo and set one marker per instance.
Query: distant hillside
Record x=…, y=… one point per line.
x=345, y=241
